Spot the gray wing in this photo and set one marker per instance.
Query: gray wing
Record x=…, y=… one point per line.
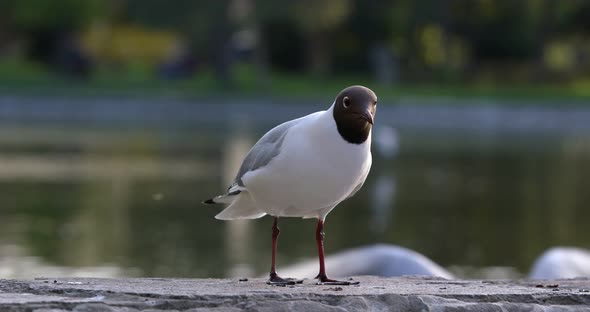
x=267, y=148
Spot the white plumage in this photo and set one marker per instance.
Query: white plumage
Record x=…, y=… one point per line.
x=314, y=170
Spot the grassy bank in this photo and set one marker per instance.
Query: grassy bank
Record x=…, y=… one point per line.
x=20, y=78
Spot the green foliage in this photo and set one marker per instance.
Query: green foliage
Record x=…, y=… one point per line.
x=199, y=20
x=426, y=41
x=35, y=14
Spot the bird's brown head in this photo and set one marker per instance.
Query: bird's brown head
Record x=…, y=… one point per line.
x=354, y=113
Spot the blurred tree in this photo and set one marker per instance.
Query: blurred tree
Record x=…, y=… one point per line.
x=318, y=19
x=315, y=20
x=52, y=14
x=249, y=42
x=205, y=23
x=419, y=40
x=363, y=42
x=285, y=45
x=51, y=27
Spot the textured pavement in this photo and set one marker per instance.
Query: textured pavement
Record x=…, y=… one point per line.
x=373, y=294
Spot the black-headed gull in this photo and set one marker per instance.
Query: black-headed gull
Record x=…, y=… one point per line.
x=304, y=168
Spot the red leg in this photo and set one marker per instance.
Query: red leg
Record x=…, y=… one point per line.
x=275, y=236
x=319, y=237
x=322, y=277
x=275, y=279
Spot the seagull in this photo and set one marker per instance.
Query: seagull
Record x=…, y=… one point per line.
x=304, y=168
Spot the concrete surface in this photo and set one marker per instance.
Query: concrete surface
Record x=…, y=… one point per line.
x=373, y=294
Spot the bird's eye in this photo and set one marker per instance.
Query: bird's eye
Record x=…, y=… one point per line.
x=346, y=102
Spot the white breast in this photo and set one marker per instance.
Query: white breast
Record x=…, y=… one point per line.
x=315, y=170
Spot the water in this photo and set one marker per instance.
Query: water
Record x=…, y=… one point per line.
x=125, y=201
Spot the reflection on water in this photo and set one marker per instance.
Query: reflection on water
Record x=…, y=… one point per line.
x=90, y=201
x=238, y=234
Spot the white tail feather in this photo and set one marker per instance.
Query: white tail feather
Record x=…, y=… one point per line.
x=241, y=207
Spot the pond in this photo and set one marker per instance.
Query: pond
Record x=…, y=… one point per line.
x=125, y=201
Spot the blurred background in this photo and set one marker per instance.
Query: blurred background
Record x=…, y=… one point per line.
x=118, y=117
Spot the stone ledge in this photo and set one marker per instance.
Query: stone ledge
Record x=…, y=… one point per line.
x=374, y=294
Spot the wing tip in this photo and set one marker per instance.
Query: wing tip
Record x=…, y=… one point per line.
x=208, y=201
x=222, y=199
